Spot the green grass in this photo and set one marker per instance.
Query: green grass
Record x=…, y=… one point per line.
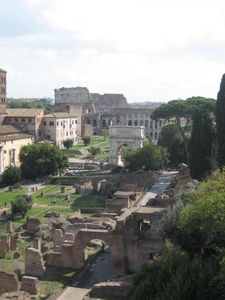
x=8, y=196
x=95, y=141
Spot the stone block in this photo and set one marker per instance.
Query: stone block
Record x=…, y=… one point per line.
x=30, y=285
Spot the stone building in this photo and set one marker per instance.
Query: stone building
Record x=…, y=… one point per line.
x=11, y=140
x=59, y=126
x=102, y=111
x=29, y=120
x=2, y=95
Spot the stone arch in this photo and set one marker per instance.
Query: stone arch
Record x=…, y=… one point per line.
x=122, y=135
x=94, y=123
x=114, y=241
x=88, y=121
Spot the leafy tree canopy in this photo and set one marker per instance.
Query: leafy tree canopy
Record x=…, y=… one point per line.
x=179, y=110
x=94, y=150
x=42, y=160
x=11, y=175
x=86, y=139
x=21, y=204
x=171, y=139
x=149, y=157
x=104, y=133
x=220, y=123
x=68, y=143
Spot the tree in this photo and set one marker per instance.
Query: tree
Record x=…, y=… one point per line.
x=149, y=157
x=220, y=123
x=104, y=133
x=68, y=143
x=171, y=139
x=86, y=139
x=42, y=160
x=182, y=110
x=94, y=150
x=11, y=175
x=21, y=204
x=201, y=145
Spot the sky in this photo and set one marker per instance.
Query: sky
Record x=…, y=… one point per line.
x=147, y=50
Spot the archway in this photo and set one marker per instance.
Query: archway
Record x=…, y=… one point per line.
x=114, y=241
x=99, y=262
x=121, y=135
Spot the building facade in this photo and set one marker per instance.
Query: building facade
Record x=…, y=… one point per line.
x=29, y=120
x=3, y=84
x=60, y=126
x=11, y=141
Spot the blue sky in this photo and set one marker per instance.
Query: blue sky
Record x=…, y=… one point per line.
x=147, y=50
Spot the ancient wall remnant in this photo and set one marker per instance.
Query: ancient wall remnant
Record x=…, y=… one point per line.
x=34, y=263
x=30, y=285
x=32, y=224
x=8, y=282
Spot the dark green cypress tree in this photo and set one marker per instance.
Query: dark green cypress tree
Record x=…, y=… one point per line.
x=200, y=147
x=220, y=123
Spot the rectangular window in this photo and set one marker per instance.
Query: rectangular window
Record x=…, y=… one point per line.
x=75, y=121
x=57, y=123
x=16, y=120
x=29, y=120
x=23, y=120
x=51, y=123
x=48, y=136
x=44, y=123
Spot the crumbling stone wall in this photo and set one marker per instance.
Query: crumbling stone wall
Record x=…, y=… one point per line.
x=111, y=289
x=8, y=282
x=32, y=224
x=34, y=263
x=30, y=285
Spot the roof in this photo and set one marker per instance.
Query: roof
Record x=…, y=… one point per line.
x=60, y=115
x=23, y=112
x=42, y=141
x=10, y=132
x=1, y=70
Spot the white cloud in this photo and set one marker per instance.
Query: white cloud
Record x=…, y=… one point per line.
x=153, y=50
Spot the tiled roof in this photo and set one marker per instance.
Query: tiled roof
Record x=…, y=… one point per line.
x=60, y=115
x=9, y=132
x=23, y=112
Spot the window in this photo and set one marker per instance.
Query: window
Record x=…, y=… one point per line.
x=57, y=123
x=12, y=156
x=51, y=123
x=48, y=136
x=29, y=120
x=39, y=133
x=75, y=121
x=16, y=120
x=44, y=123
x=23, y=120
x=9, y=120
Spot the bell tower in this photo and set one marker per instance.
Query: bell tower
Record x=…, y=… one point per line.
x=2, y=95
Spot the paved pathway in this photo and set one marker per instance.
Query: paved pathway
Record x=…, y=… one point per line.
x=159, y=187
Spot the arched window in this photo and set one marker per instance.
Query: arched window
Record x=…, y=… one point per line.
x=129, y=123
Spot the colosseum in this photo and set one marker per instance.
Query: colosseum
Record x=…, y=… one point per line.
x=101, y=111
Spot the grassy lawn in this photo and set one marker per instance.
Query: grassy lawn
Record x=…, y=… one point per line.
x=95, y=141
x=8, y=196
